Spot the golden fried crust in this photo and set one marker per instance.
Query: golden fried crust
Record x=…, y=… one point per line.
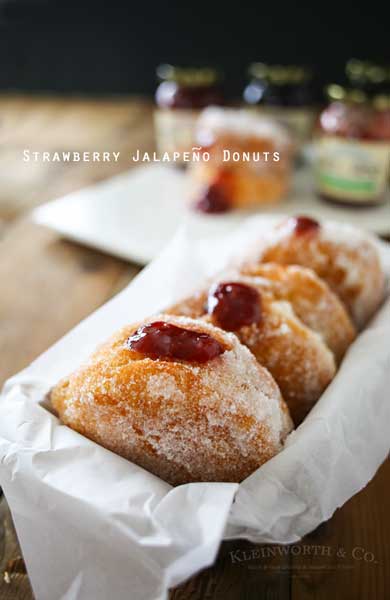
x=343, y=257
x=246, y=187
x=312, y=302
x=215, y=421
x=296, y=356
x=250, y=183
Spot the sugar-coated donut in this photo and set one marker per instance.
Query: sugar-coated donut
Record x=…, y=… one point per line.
x=179, y=397
x=311, y=299
x=241, y=171
x=295, y=355
x=345, y=257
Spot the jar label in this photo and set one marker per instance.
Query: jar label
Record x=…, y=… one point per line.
x=175, y=129
x=356, y=171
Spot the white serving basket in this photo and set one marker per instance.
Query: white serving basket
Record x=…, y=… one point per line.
x=93, y=525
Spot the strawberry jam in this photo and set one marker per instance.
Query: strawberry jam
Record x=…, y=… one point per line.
x=216, y=196
x=164, y=340
x=213, y=200
x=303, y=225
x=234, y=305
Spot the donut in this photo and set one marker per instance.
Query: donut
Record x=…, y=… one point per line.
x=178, y=397
x=343, y=256
x=312, y=301
x=249, y=161
x=295, y=355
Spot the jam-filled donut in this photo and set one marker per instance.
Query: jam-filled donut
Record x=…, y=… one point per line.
x=249, y=160
x=311, y=299
x=179, y=397
x=345, y=257
x=296, y=356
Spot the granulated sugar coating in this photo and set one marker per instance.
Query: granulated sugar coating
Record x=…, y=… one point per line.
x=215, y=421
x=311, y=300
x=296, y=356
x=345, y=257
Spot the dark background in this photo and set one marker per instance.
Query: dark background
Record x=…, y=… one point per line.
x=113, y=47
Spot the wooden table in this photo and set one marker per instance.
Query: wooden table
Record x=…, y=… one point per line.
x=49, y=284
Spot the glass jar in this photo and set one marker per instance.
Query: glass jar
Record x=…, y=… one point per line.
x=353, y=148
x=180, y=96
x=285, y=93
x=379, y=126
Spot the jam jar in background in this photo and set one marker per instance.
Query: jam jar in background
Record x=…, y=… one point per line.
x=286, y=93
x=352, y=148
x=180, y=96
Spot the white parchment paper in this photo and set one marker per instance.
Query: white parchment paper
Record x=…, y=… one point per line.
x=93, y=525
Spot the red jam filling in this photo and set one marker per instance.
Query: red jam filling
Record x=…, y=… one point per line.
x=216, y=197
x=234, y=305
x=303, y=225
x=164, y=340
x=213, y=200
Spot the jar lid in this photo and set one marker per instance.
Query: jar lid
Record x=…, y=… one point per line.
x=280, y=74
x=364, y=71
x=356, y=69
x=340, y=93
x=188, y=76
x=376, y=74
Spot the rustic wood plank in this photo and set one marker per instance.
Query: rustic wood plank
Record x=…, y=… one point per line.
x=51, y=284
x=242, y=570
x=355, y=562
x=51, y=124
x=14, y=583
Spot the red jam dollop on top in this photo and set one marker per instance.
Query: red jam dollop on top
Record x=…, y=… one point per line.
x=215, y=197
x=234, y=305
x=302, y=225
x=164, y=340
x=213, y=200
